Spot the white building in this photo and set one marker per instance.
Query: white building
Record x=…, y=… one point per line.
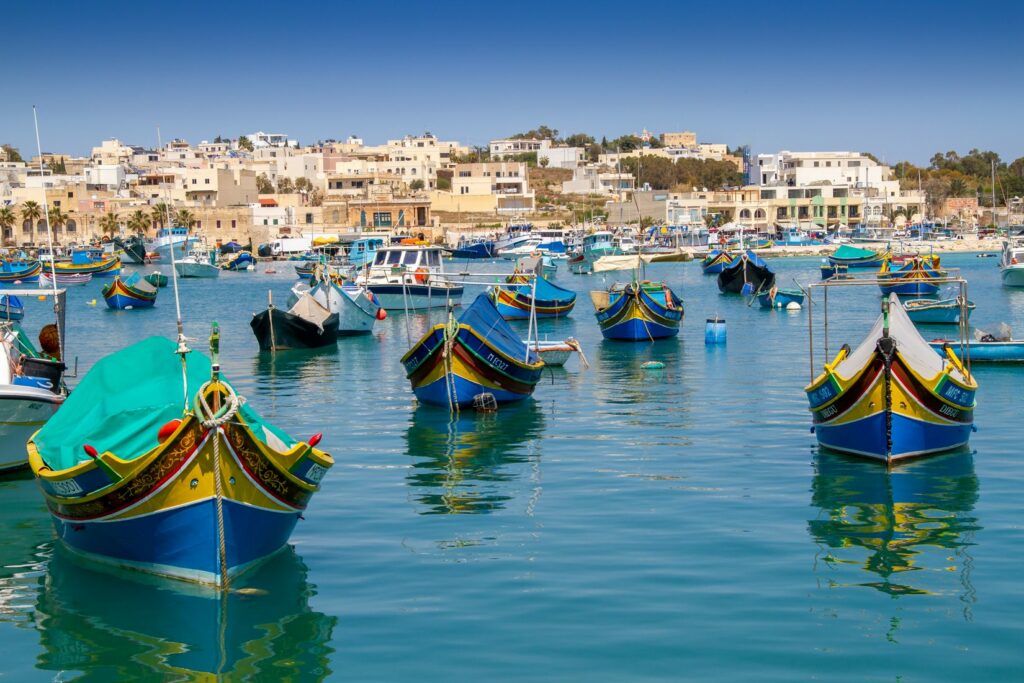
x=597, y=179
x=506, y=148
x=261, y=139
x=110, y=176
x=561, y=157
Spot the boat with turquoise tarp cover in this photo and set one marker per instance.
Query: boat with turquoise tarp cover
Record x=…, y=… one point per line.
x=171, y=473
x=855, y=257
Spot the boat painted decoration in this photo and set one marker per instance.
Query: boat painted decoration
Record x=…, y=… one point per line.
x=936, y=311
x=457, y=361
x=715, y=262
x=747, y=274
x=638, y=311
x=781, y=298
x=82, y=263
x=856, y=257
x=20, y=271
x=892, y=397
x=516, y=298
x=917, y=277
x=200, y=493
x=130, y=293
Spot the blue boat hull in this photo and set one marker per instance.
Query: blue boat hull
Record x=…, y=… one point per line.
x=120, y=302
x=639, y=330
x=436, y=393
x=714, y=269
x=988, y=352
x=913, y=288
x=781, y=299
x=182, y=538
x=910, y=437
x=473, y=251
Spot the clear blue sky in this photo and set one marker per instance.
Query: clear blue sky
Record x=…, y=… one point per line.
x=900, y=79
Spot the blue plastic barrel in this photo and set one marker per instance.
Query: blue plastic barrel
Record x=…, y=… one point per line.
x=714, y=331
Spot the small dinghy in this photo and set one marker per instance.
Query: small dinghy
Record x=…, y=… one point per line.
x=307, y=324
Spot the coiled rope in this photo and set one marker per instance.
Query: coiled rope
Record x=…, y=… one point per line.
x=214, y=420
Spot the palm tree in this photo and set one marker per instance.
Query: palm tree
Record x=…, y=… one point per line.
x=183, y=218
x=139, y=222
x=7, y=220
x=56, y=218
x=160, y=213
x=957, y=187
x=109, y=224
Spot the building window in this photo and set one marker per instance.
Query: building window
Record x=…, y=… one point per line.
x=232, y=224
x=71, y=195
x=207, y=181
x=194, y=181
x=781, y=212
x=275, y=221
x=815, y=164
x=265, y=221
x=218, y=225
x=309, y=219
x=465, y=174
x=335, y=216
x=828, y=163
x=832, y=213
x=382, y=219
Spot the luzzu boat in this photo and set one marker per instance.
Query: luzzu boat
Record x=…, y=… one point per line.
x=917, y=277
x=20, y=271
x=781, y=298
x=516, y=298
x=855, y=257
x=746, y=274
x=638, y=311
x=130, y=293
x=936, y=311
x=715, y=261
x=82, y=263
x=454, y=363
x=199, y=493
x=893, y=397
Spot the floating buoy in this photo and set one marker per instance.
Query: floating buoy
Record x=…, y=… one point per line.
x=793, y=306
x=128, y=308
x=166, y=431
x=270, y=271
x=91, y=302
x=41, y=297
x=653, y=365
x=381, y=313
x=18, y=282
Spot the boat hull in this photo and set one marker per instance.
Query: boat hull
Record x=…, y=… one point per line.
x=356, y=313
x=23, y=411
x=196, y=270
x=26, y=274
x=397, y=297
x=635, y=316
x=120, y=295
x=1013, y=276
x=987, y=352
x=278, y=330
x=745, y=273
x=781, y=299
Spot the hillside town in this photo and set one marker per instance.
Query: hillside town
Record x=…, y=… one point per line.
x=264, y=186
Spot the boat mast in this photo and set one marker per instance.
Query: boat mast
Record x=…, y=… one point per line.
x=994, y=224
x=182, y=342
x=49, y=238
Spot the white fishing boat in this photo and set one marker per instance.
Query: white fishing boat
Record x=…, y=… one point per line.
x=557, y=353
x=355, y=305
x=409, y=277
x=1011, y=263
x=197, y=264
x=179, y=238
x=64, y=279
x=523, y=248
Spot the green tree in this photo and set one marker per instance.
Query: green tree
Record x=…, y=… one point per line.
x=56, y=218
x=416, y=185
x=245, y=143
x=109, y=224
x=444, y=183
x=7, y=220
x=139, y=222
x=12, y=153
x=159, y=214
x=538, y=133
x=263, y=184
x=183, y=218
x=303, y=185
x=578, y=140
x=57, y=166
x=285, y=186
x=543, y=162
x=31, y=212
x=957, y=187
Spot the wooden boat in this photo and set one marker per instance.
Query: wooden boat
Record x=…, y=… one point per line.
x=781, y=298
x=306, y=269
x=64, y=279
x=516, y=298
x=410, y=277
x=829, y=271
x=31, y=391
x=594, y=247
x=82, y=263
x=200, y=493
x=892, y=397
x=986, y=348
x=11, y=308
x=473, y=249
x=131, y=293
x=455, y=362
x=198, y=264
x=855, y=257
x=936, y=311
x=747, y=274
x=716, y=261
x=917, y=277
x=178, y=238
x=132, y=249
x=157, y=279
x=20, y=271
x=241, y=261
x=356, y=307
x=307, y=324
x=638, y=311
x=556, y=354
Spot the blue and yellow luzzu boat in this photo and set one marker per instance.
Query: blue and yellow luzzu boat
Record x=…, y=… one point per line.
x=480, y=354
x=855, y=257
x=82, y=263
x=715, y=261
x=515, y=299
x=130, y=293
x=198, y=493
x=893, y=397
x=917, y=277
x=20, y=271
x=638, y=311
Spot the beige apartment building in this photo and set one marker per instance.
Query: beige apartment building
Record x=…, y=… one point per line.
x=501, y=187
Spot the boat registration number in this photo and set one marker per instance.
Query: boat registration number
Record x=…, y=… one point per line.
x=315, y=473
x=66, y=487
x=497, y=362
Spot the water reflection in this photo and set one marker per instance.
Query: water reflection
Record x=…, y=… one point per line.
x=466, y=463
x=890, y=523
x=114, y=625
x=26, y=546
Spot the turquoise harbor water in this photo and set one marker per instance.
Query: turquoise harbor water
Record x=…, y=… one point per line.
x=624, y=525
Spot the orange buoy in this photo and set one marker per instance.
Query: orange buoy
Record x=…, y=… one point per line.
x=381, y=313
x=422, y=275
x=168, y=429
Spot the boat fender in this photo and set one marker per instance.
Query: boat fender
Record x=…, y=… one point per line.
x=422, y=275
x=168, y=429
x=381, y=314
